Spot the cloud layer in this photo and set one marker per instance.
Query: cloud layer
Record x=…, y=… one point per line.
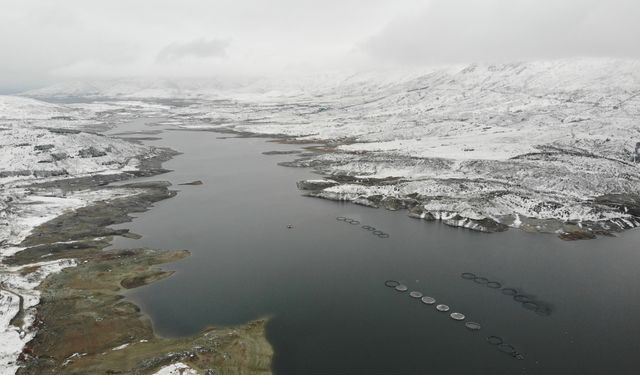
x=199, y=48
x=497, y=30
x=44, y=41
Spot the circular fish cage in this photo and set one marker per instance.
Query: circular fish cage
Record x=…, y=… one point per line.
x=522, y=298
x=543, y=311
x=468, y=276
x=506, y=348
x=518, y=356
x=341, y=218
x=457, y=316
x=415, y=294
x=383, y=235
x=509, y=291
x=494, y=340
x=368, y=227
x=532, y=306
x=401, y=288
x=481, y=280
x=352, y=221
x=442, y=308
x=391, y=283
x=473, y=326
x=428, y=300
x=494, y=285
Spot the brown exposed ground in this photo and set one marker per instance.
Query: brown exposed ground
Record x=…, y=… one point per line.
x=83, y=318
x=86, y=326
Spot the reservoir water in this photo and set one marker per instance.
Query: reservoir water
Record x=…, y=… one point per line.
x=322, y=282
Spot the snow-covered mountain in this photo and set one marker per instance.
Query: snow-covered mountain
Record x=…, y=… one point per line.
x=133, y=88
x=535, y=145
x=15, y=108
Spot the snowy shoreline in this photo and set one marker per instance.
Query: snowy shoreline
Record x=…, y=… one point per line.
x=43, y=142
x=55, y=212
x=547, y=146
x=543, y=146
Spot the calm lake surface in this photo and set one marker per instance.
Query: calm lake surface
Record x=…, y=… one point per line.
x=322, y=281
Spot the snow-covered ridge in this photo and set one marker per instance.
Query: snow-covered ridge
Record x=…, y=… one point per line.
x=19, y=108
x=510, y=143
x=40, y=141
x=538, y=140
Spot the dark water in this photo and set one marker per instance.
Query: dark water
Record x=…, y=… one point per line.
x=322, y=282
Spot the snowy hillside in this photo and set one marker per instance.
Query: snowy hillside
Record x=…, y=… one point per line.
x=134, y=88
x=499, y=142
x=38, y=142
x=18, y=108
x=545, y=146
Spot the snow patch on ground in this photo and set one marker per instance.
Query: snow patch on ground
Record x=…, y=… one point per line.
x=38, y=142
x=18, y=294
x=176, y=369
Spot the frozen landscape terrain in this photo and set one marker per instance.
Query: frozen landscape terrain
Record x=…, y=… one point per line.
x=544, y=147
x=41, y=142
x=547, y=146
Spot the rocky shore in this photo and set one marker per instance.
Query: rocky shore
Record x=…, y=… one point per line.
x=62, y=308
x=83, y=323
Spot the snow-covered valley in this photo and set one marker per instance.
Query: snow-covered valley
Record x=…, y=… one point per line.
x=547, y=146
x=544, y=147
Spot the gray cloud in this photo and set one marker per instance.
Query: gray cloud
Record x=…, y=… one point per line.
x=46, y=41
x=494, y=30
x=199, y=48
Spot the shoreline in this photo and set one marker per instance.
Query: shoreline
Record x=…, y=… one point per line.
x=382, y=192
x=363, y=189
x=72, y=246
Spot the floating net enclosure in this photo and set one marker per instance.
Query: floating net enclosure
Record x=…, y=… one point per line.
x=506, y=348
x=468, y=276
x=543, y=311
x=415, y=294
x=401, y=288
x=494, y=340
x=494, y=285
x=522, y=298
x=442, y=308
x=509, y=291
x=428, y=300
x=532, y=306
x=472, y=326
x=391, y=283
x=481, y=280
x=457, y=316
x=518, y=356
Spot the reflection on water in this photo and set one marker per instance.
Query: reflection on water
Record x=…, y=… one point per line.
x=321, y=280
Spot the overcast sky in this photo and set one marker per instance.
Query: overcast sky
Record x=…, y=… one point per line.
x=43, y=41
